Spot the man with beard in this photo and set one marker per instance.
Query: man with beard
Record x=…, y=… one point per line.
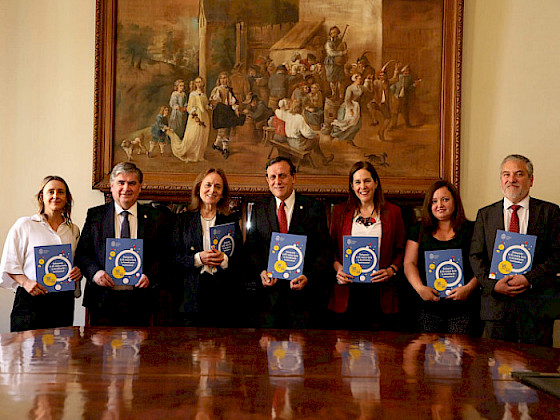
x=512, y=307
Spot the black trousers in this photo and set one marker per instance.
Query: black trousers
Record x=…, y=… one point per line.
x=52, y=310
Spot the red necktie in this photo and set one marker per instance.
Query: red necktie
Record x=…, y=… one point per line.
x=282, y=219
x=514, y=222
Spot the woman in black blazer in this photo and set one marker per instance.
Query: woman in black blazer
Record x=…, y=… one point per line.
x=210, y=290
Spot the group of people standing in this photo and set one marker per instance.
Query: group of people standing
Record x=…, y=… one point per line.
x=208, y=288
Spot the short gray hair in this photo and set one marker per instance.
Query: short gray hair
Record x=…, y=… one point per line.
x=127, y=168
x=522, y=158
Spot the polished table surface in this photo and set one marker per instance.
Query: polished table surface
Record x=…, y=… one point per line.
x=184, y=373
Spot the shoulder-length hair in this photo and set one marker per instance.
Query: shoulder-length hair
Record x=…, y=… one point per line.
x=429, y=221
x=67, y=210
x=353, y=200
x=223, y=204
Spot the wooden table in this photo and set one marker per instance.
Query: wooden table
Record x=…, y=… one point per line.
x=183, y=373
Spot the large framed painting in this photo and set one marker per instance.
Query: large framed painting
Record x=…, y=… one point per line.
x=182, y=85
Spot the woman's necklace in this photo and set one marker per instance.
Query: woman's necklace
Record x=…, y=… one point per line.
x=366, y=221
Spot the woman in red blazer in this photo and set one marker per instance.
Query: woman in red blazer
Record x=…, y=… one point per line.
x=375, y=303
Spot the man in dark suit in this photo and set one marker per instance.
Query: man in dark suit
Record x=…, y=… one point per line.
x=512, y=307
x=122, y=218
x=282, y=303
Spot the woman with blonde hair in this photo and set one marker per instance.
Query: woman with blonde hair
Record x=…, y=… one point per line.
x=34, y=308
x=191, y=147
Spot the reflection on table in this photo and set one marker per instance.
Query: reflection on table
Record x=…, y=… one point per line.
x=111, y=373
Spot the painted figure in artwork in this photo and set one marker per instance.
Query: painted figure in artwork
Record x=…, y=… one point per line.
x=160, y=129
x=336, y=57
x=349, y=120
x=178, y=105
x=403, y=89
x=191, y=147
x=225, y=115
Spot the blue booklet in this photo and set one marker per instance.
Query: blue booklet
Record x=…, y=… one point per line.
x=443, y=360
x=222, y=238
x=513, y=254
x=123, y=260
x=444, y=270
x=287, y=252
x=360, y=257
x=53, y=264
x=285, y=358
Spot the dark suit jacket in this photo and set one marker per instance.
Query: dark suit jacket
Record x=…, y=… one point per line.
x=392, y=252
x=544, y=222
x=308, y=218
x=187, y=241
x=90, y=252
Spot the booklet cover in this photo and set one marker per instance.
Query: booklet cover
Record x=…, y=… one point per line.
x=360, y=257
x=287, y=252
x=222, y=238
x=513, y=254
x=444, y=270
x=123, y=260
x=285, y=358
x=443, y=360
x=53, y=264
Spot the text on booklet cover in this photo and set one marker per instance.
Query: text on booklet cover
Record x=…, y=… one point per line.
x=53, y=264
x=222, y=238
x=360, y=257
x=123, y=260
x=287, y=252
x=444, y=270
x=513, y=254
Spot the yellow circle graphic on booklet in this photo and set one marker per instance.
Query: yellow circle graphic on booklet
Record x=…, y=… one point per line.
x=355, y=269
x=501, y=247
x=432, y=266
x=47, y=339
x=112, y=253
x=355, y=353
x=118, y=272
x=41, y=261
x=505, y=267
x=348, y=251
x=280, y=266
x=49, y=279
x=440, y=284
x=279, y=353
x=439, y=347
x=116, y=343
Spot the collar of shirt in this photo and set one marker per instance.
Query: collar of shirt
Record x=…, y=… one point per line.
x=289, y=206
x=522, y=212
x=133, y=221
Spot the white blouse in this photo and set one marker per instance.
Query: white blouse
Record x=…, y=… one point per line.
x=18, y=256
x=375, y=230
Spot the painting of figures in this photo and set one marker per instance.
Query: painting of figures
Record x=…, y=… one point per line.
x=187, y=84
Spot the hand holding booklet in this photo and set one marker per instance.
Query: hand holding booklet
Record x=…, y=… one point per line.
x=444, y=270
x=513, y=254
x=123, y=260
x=53, y=264
x=286, y=256
x=360, y=257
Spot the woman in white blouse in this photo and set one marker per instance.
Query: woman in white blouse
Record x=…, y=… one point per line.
x=34, y=307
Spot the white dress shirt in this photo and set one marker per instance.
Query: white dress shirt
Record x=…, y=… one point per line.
x=289, y=204
x=132, y=220
x=19, y=249
x=374, y=230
